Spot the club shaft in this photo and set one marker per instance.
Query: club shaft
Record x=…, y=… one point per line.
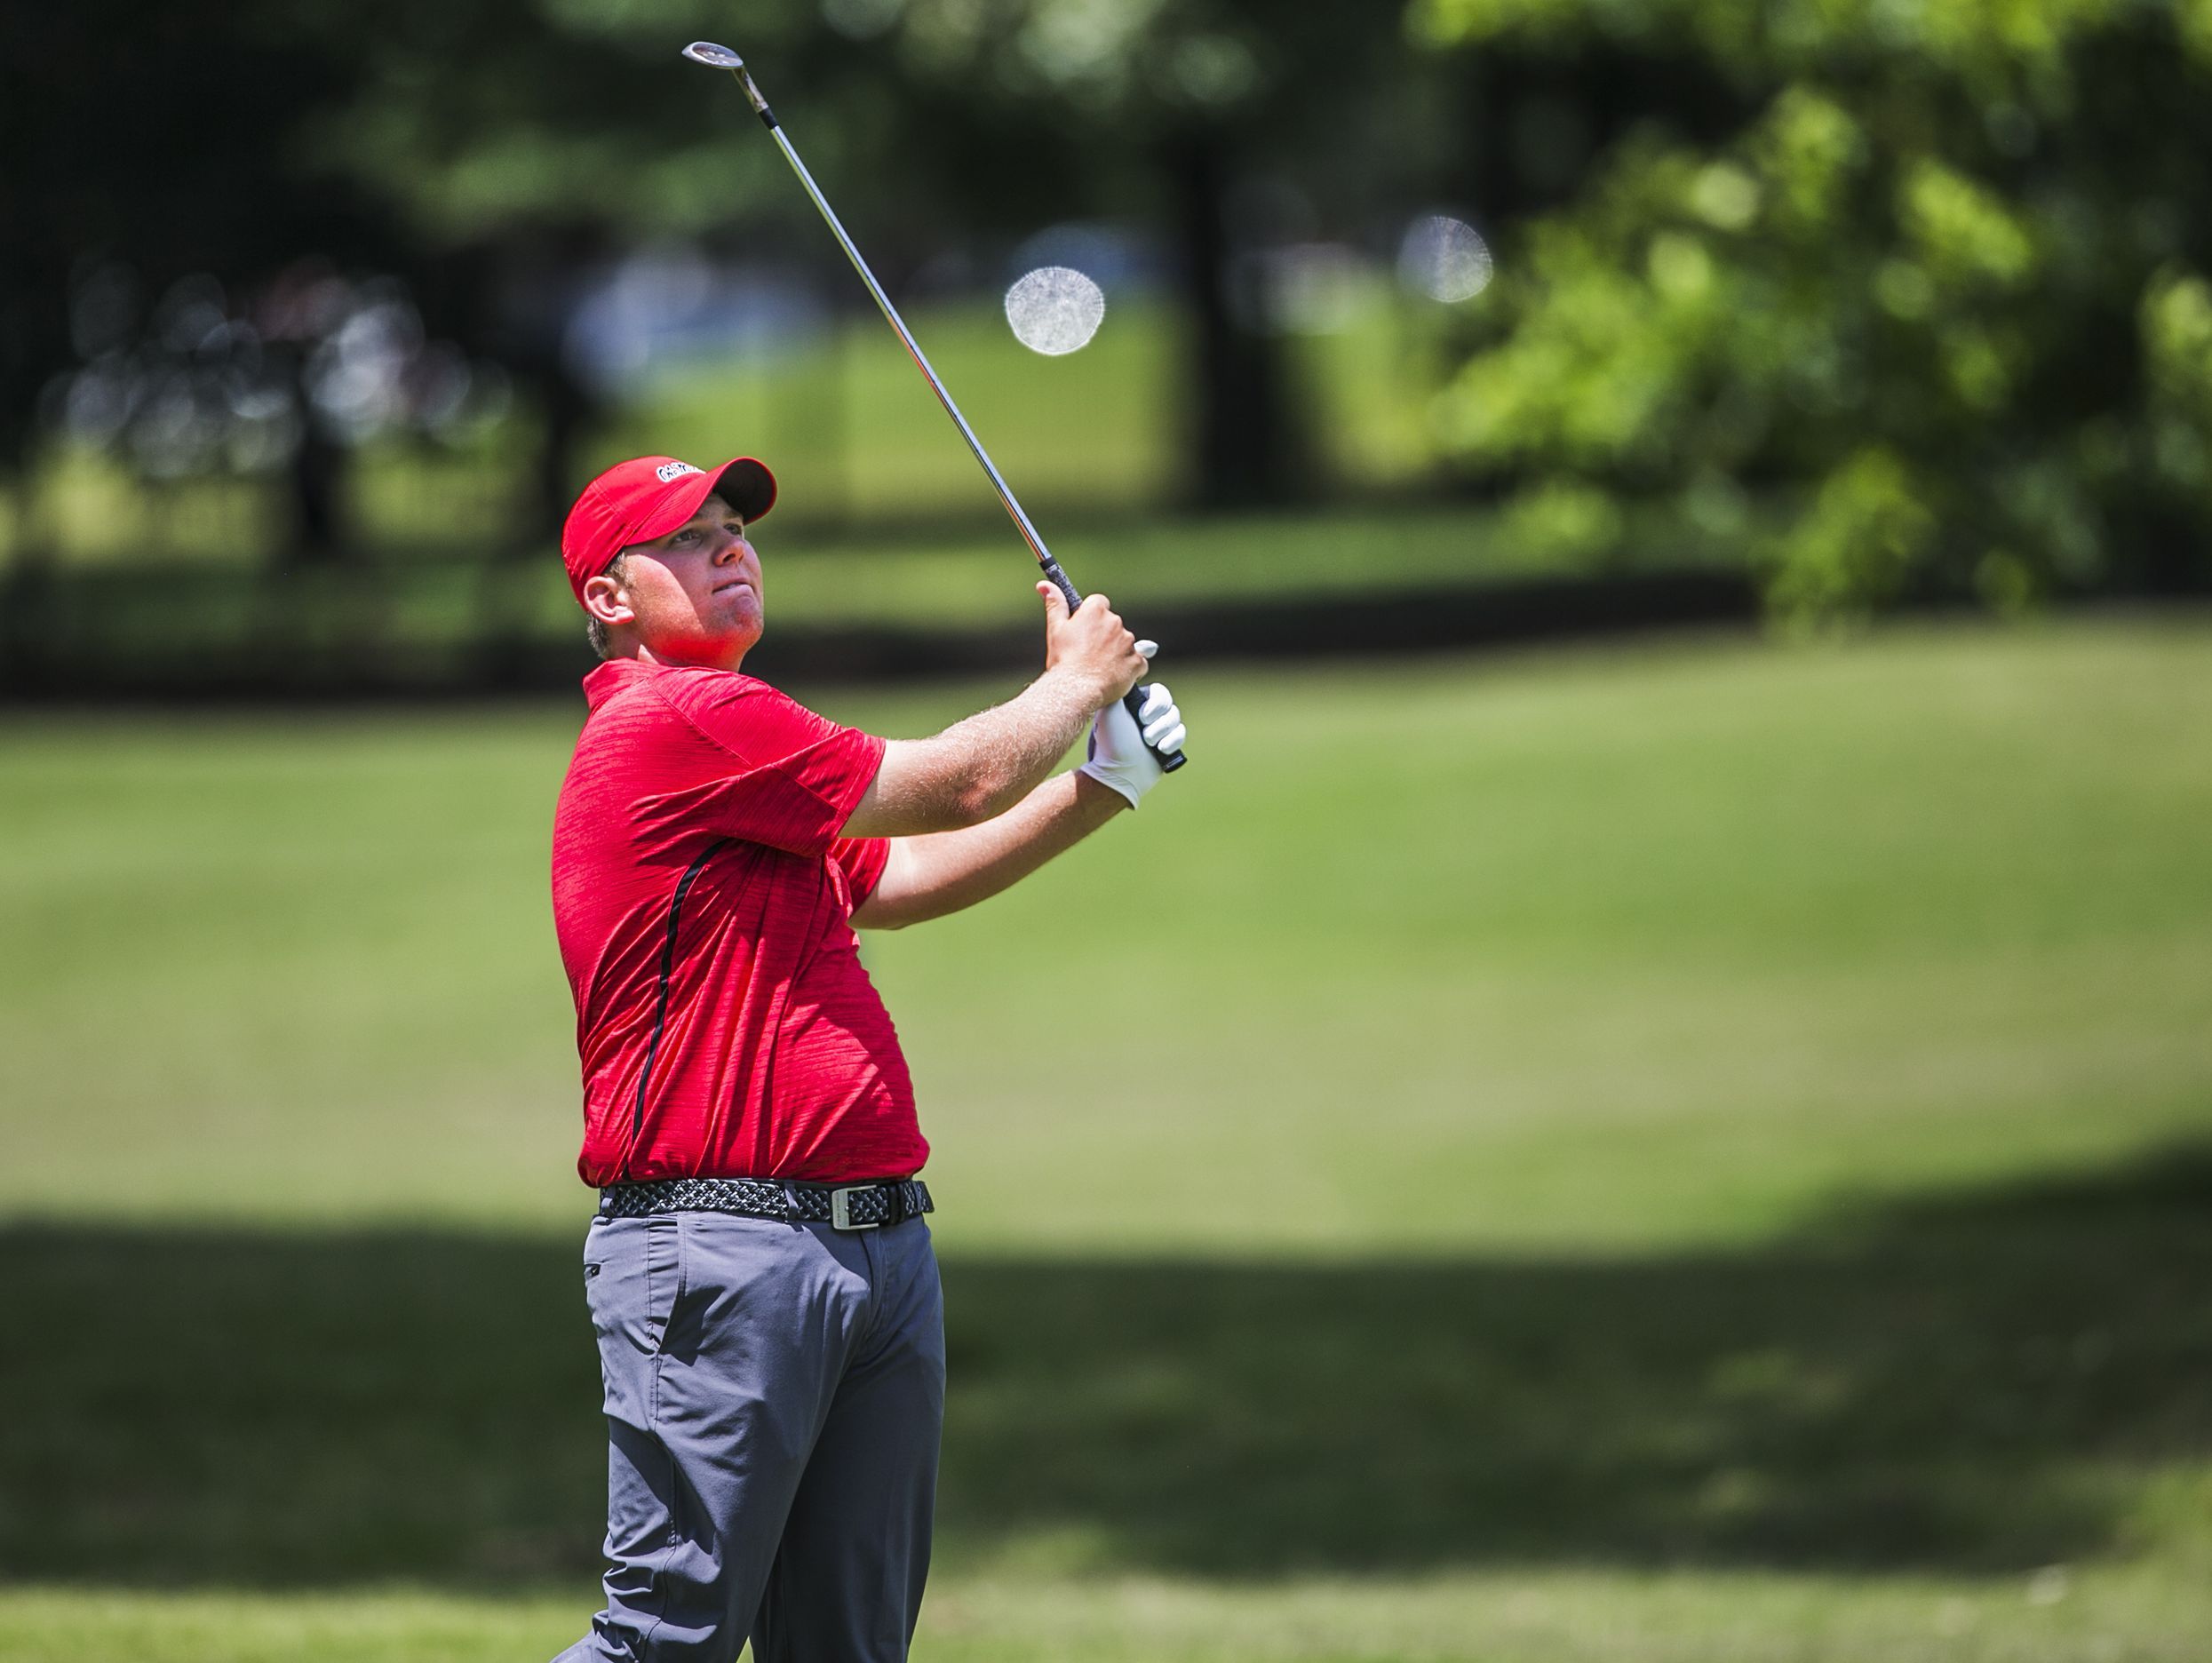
x=1169, y=760
x=1050, y=566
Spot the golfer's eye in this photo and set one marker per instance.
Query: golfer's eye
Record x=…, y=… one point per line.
x=689, y=534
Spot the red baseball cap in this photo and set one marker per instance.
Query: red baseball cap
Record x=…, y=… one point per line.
x=647, y=498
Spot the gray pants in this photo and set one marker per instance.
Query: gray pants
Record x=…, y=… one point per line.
x=774, y=1394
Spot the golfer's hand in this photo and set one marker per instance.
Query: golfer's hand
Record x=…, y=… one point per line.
x=1093, y=645
x=1118, y=754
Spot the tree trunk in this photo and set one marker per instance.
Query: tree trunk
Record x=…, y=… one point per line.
x=1246, y=448
x=317, y=472
x=568, y=409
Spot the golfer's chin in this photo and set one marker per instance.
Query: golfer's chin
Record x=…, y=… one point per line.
x=737, y=620
x=717, y=645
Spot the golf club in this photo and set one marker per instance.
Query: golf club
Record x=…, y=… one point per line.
x=721, y=58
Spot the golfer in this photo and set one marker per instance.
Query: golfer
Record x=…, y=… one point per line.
x=770, y=1329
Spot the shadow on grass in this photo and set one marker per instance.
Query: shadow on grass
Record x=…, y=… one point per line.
x=1970, y=1383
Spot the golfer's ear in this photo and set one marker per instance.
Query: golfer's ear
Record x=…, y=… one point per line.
x=605, y=600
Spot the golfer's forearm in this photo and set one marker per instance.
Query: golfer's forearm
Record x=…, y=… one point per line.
x=928, y=877
x=978, y=769
x=1005, y=753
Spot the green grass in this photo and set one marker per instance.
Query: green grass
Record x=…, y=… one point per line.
x=1933, y=908
x=1697, y=1153
x=1523, y=1617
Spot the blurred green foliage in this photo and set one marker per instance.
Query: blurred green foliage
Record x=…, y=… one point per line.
x=1898, y=297
x=1942, y=291
x=929, y=123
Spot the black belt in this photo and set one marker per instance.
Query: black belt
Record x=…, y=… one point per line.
x=847, y=1207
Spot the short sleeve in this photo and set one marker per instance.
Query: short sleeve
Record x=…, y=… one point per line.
x=861, y=860
x=794, y=777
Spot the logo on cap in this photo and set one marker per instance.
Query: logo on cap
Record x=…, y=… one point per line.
x=673, y=469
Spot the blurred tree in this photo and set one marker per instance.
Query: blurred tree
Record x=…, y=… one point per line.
x=491, y=154
x=150, y=147
x=1941, y=291
x=278, y=152
x=524, y=143
x=985, y=115
x=518, y=144
x=1230, y=122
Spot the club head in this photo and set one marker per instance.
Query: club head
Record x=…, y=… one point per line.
x=712, y=56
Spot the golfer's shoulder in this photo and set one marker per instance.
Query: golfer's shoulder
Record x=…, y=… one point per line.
x=721, y=701
x=724, y=712
x=629, y=693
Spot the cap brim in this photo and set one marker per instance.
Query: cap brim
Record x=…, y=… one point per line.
x=746, y=485
x=743, y=482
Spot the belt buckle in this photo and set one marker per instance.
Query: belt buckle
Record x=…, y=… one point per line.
x=841, y=1208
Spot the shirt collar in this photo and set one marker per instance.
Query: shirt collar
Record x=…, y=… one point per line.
x=604, y=681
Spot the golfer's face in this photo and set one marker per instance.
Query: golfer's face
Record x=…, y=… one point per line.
x=696, y=592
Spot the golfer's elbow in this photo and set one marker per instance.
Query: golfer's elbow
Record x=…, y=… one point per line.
x=977, y=783
x=968, y=792
x=989, y=796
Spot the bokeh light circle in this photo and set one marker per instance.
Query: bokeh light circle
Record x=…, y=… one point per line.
x=1445, y=258
x=1054, y=309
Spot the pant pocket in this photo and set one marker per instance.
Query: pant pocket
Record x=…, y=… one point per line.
x=663, y=1259
x=632, y=1280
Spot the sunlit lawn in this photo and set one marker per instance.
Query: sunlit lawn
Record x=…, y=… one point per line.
x=1697, y=1153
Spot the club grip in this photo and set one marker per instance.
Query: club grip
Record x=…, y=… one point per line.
x=1133, y=702
x=1169, y=760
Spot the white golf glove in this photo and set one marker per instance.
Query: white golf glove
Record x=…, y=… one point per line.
x=1118, y=756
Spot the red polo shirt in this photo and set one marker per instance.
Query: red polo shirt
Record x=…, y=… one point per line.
x=702, y=896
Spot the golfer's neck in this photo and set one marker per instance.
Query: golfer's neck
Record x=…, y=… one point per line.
x=692, y=658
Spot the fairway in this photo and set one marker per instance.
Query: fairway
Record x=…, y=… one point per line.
x=1691, y=1153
